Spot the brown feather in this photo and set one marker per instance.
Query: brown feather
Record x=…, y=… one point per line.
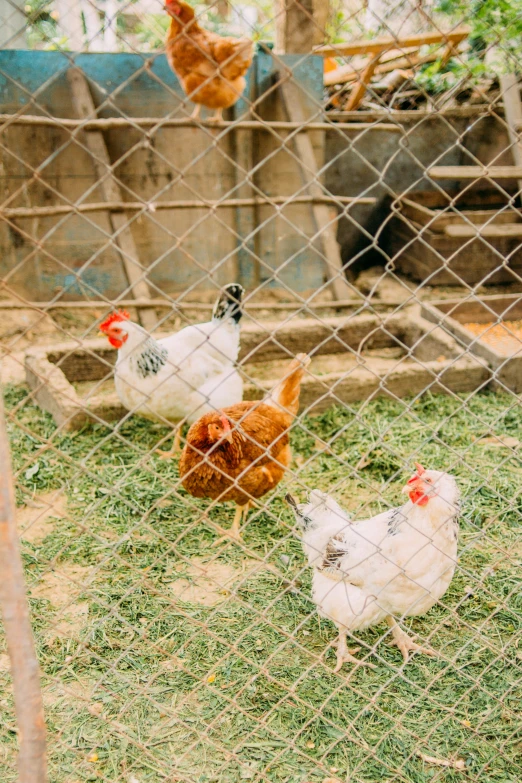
x=211, y=68
x=256, y=459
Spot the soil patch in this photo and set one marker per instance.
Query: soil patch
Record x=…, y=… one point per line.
x=210, y=583
x=34, y=520
x=64, y=587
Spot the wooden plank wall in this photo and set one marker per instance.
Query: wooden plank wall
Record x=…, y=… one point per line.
x=183, y=249
x=287, y=241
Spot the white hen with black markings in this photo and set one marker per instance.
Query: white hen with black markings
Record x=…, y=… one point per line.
x=179, y=378
x=396, y=564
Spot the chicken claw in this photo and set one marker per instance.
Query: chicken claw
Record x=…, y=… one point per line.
x=235, y=531
x=404, y=642
x=217, y=116
x=176, y=447
x=344, y=655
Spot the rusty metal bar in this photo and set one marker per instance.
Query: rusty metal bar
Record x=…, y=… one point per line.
x=32, y=760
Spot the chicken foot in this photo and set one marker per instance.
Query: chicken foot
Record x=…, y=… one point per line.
x=176, y=446
x=217, y=117
x=404, y=642
x=344, y=655
x=235, y=531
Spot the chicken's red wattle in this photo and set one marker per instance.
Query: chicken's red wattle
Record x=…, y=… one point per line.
x=418, y=497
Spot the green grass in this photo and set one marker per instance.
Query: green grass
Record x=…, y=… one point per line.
x=160, y=688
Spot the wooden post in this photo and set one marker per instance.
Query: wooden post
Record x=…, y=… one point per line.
x=32, y=763
x=223, y=8
x=510, y=89
x=84, y=105
x=300, y=25
x=322, y=214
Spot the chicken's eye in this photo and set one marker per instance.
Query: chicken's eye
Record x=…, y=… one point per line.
x=429, y=480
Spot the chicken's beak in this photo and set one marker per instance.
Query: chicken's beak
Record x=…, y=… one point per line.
x=413, y=483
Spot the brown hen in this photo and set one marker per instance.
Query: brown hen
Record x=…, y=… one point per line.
x=241, y=452
x=211, y=68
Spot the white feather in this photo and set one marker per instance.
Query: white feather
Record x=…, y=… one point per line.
x=198, y=376
x=398, y=563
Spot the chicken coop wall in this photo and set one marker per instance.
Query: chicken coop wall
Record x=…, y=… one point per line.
x=180, y=163
x=399, y=165
x=193, y=163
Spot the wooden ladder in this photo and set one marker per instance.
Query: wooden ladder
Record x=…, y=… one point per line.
x=510, y=89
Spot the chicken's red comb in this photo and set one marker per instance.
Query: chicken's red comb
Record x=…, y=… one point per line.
x=225, y=422
x=119, y=315
x=420, y=470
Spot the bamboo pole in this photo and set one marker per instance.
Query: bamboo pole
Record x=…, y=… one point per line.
x=381, y=44
x=154, y=206
x=157, y=123
x=32, y=762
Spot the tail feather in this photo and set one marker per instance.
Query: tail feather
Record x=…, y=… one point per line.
x=228, y=304
x=286, y=393
x=301, y=519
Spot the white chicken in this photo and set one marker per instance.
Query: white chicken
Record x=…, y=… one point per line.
x=179, y=378
x=396, y=564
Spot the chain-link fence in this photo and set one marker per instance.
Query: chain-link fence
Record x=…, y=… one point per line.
x=358, y=202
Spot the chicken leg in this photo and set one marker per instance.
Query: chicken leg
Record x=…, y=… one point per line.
x=176, y=446
x=235, y=531
x=404, y=642
x=218, y=116
x=345, y=656
x=195, y=112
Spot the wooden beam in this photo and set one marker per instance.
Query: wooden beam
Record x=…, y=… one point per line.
x=84, y=106
x=376, y=45
x=510, y=89
x=310, y=174
x=409, y=115
x=474, y=172
x=359, y=90
x=346, y=73
x=498, y=230
x=158, y=123
x=154, y=206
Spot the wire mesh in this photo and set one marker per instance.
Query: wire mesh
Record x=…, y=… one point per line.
x=330, y=192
